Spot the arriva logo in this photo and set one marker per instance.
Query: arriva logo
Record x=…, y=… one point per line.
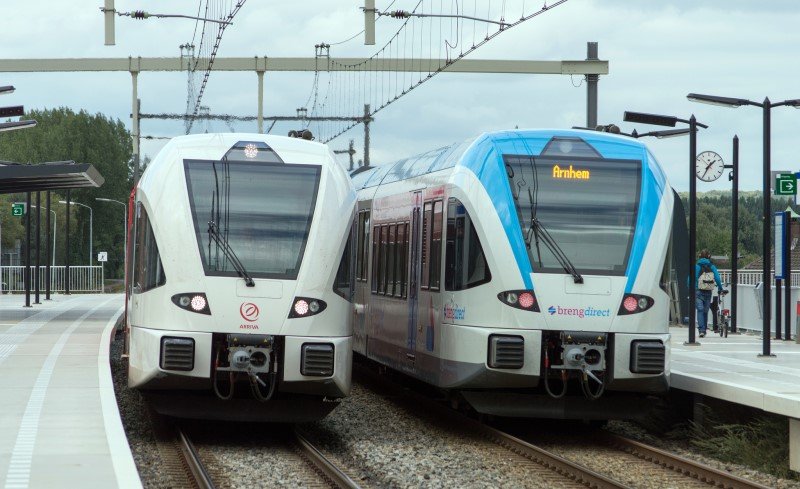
x=249, y=311
x=581, y=313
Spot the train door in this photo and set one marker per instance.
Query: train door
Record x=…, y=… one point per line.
x=362, y=292
x=413, y=276
x=430, y=277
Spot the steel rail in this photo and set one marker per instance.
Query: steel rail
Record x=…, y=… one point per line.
x=192, y=459
x=710, y=475
x=325, y=466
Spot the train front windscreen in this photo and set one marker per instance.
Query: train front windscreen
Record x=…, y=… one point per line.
x=262, y=211
x=587, y=205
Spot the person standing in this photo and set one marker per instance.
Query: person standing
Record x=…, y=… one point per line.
x=707, y=278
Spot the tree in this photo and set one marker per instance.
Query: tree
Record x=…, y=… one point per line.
x=62, y=134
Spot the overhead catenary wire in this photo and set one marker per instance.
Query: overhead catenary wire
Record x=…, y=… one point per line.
x=348, y=88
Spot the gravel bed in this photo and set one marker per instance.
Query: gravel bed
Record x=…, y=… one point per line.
x=136, y=421
x=393, y=446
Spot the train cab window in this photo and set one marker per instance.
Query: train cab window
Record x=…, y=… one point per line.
x=390, y=260
x=427, y=219
x=436, y=246
x=148, y=272
x=343, y=284
x=362, y=253
x=465, y=262
x=375, y=257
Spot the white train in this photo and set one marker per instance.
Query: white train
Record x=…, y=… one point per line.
x=240, y=276
x=524, y=272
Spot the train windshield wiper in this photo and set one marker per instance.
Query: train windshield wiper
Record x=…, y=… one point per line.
x=222, y=243
x=538, y=230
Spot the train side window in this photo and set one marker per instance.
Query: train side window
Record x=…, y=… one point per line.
x=343, y=284
x=465, y=262
x=427, y=218
x=406, y=260
x=390, y=259
x=148, y=272
x=375, y=257
x=436, y=247
x=384, y=259
x=400, y=261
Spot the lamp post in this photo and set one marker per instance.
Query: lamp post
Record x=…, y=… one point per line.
x=670, y=121
x=55, y=221
x=91, y=218
x=766, y=107
x=124, y=220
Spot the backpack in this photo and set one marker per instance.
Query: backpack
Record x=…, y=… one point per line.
x=706, y=279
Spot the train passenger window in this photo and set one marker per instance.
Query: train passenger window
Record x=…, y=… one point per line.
x=465, y=263
x=427, y=218
x=384, y=259
x=148, y=271
x=406, y=261
x=436, y=246
x=376, y=235
x=400, y=261
x=390, y=260
x=343, y=284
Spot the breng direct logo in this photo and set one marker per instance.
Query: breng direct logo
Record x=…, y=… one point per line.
x=580, y=313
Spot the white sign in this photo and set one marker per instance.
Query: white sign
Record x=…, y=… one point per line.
x=779, y=240
x=102, y=256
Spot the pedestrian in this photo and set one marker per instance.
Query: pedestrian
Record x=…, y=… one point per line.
x=706, y=278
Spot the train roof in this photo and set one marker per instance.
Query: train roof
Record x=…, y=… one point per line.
x=533, y=142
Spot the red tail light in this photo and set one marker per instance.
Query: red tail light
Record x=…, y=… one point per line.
x=520, y=299
x=634, y=303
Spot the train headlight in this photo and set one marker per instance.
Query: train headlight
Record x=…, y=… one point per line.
x=306, y=306
x=520, y=299
x=635, y=303
x=192, y=301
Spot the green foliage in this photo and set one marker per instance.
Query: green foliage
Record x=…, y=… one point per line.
x=761, y=444
x=714, y=221
x=63, y=135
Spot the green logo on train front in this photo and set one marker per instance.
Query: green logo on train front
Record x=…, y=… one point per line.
x=18, y=209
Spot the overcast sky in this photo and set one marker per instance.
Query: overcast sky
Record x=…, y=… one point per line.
x=658, y=52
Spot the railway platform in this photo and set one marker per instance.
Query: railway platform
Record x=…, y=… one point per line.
x=732, y=370
x=59, y=421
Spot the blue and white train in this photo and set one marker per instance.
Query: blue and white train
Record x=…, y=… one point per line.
x=524, y=272
x=239, y=279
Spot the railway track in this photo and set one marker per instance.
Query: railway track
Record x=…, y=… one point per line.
x=652, y=463
x=188, y=467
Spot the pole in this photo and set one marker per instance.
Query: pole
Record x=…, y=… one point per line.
x=260, y=74
x=27, y=274
x=787, y=279
x=591, y=88
x=766, y=280
x=367, y=120
x=778, y=308
x=735, y=234
x=91, y=234
x=692, y=228
x=38, y=243
x=49, y=251
x=134, y=126
x=66, y=251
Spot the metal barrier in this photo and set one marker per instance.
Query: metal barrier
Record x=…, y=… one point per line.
x=753, y=277
x=82, y=278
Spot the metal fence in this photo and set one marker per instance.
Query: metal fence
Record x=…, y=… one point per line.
x=82, y=278
x=753, y=277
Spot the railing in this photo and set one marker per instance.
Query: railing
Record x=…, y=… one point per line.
x=753, y=277
x=82, y=278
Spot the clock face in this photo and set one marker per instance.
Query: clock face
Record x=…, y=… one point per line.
x=709, y=166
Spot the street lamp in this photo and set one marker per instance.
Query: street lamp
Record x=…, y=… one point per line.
x=55, y=221
x=766, y=280
x=124, y=218
x=670, y=121
x=91, y=218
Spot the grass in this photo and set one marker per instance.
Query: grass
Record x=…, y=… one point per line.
x=761, y=443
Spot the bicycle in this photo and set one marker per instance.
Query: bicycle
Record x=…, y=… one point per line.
x=723, y=316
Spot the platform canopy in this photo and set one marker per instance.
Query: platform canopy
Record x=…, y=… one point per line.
x=17, y=177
